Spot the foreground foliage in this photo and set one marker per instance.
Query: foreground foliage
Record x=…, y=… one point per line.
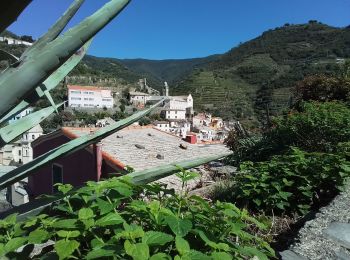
x=292, y=183
x=115, y=219
x=315, y=127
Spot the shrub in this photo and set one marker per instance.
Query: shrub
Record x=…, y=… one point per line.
x=323, y=88
x=317, y=127
x=115, y=219
x=292, y=183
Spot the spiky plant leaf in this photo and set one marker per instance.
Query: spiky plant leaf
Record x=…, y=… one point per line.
x=50, y=83
x=12, y=131
x=24, y=76
x=56, y=29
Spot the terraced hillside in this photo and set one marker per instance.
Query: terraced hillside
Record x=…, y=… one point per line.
x=256, y=78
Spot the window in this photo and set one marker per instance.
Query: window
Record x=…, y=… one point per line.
x=19, y=152
x=75, y=98
x=57, y=176
x=75, y=92
x=33, y=137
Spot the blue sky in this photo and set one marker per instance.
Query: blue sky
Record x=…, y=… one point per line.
x=164, y=29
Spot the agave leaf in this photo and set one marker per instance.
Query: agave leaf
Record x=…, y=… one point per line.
x=10, y=10
x=24, y=76
x=70, y=147
x=35, y=207
x=4, y=55
x=50, y=83
x=147, y=176
x=57, y=28
x=12, y=131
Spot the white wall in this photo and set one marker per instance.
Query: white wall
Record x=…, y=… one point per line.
x=90, y=98
x=163, y=127
x=139, y=100
x=175, y=114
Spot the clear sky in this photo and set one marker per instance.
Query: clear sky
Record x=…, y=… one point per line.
x=163, y=29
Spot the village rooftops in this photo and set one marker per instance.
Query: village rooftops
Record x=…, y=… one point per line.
x=138, y=147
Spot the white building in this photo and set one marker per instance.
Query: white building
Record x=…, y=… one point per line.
x=139, y=99
x=89, y=97
x=179, y=128
x=12, y=41
x=162, y=125
x=178, y=107
x=21, y=151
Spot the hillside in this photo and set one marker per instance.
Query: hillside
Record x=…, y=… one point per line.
x=101, y=68
x=258, y=75
x=167, y=70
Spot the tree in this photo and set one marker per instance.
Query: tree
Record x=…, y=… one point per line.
x=122, y=108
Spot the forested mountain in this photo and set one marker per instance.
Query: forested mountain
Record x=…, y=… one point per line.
x=256, y=77
x=167, y=70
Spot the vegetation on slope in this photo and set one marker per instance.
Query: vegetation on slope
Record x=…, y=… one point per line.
x=302, y=161
x=167, y=70
x=260, y=73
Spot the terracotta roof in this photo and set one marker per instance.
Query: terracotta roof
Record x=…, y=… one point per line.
x=68, y=131
x=121, y=148
x=92, y=88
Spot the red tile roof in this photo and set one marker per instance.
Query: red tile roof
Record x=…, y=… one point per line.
x=76, y=87
x=67, y=131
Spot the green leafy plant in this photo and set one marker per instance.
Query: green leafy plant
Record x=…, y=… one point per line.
x=316, y=127
x=292, y=183
x=116, y=219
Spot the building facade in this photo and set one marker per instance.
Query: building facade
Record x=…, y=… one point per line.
x=21, y=151
x=12, y=41
x=89, y=97
x=139, y=99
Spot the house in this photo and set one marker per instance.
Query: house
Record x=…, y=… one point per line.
x=105, y=122
x=174, y=108
x=178, y=128
x=140, y=147
x=20, y=152
x=162, y=125
x=15, y=194
x=89, y=97
x=202, y=119
x=178, y=108
x=217, y=122
x=138, y=99
x=12, y=41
